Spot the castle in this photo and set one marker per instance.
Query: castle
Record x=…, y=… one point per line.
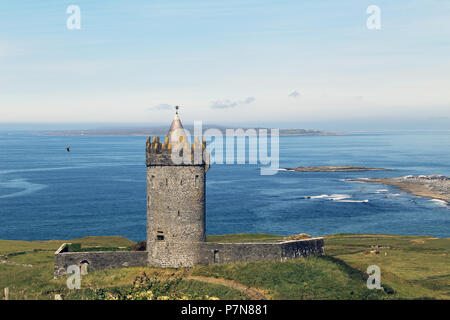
x=176, y=218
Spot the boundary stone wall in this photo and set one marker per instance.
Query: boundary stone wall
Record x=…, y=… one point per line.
x=98, y=260
x=245, y=252
x=208, y=253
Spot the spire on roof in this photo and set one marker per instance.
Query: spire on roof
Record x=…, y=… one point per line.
x=176, y=129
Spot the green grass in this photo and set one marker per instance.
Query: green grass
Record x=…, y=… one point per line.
x=26, y=282
x=9, y=246
x=310, y=278
x=36, y=282
x=413, y=267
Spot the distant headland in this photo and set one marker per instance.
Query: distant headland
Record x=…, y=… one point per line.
x=346, y=168
x=161, y=131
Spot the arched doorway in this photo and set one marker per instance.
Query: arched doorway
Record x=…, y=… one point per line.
x=84, y=267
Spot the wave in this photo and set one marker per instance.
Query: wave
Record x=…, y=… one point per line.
x=391, y=195
x=360, y=180
x=382, y=191
x=337, y=198
x=440, y=202
x=27, y=187
x=317, y=197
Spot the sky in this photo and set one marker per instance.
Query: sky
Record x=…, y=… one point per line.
x=285, y=63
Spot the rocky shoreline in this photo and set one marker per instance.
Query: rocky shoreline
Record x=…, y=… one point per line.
x=432, y=186
x=333, y=169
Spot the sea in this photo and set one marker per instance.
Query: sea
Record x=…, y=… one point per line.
x=99, y=187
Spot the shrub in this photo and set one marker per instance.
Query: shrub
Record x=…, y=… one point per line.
x=139, y=246
x=150, y=288
x=74, y=247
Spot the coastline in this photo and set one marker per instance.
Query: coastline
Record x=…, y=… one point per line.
x=157, y=131
x=346, y=168
x=421, y=187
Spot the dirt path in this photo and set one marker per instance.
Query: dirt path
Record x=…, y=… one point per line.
x=252, y=293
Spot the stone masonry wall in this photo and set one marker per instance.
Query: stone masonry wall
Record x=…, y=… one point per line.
x=243, y=252
x=191, y=254
x=98, y=260
x=175, y=214
x=302, y=248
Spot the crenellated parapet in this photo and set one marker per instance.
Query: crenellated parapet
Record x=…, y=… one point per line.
x=159, y=152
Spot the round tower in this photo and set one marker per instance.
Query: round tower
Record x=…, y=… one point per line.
x=175, y=199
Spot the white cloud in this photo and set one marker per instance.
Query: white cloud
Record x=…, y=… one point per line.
x=226, y=104
x=162, y=106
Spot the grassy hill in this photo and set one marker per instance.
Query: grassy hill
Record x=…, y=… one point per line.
x=412, y=267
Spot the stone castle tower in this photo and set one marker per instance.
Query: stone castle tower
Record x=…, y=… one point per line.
x=175, y=198
x=176, y=217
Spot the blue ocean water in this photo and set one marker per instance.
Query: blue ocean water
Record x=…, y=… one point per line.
x=99, y=188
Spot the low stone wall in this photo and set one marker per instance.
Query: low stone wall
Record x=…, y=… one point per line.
x=244, y=252
x=98, y=260
x=302, y=248
x=205, y=253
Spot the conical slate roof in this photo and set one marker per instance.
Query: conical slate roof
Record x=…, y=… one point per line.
x=176, y=124
x=176, y=130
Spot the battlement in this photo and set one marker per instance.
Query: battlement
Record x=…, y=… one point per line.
x=176, y=154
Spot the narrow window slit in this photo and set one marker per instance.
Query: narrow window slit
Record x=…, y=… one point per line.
x=160, y=236
x=196, y=182
x=216, y=256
